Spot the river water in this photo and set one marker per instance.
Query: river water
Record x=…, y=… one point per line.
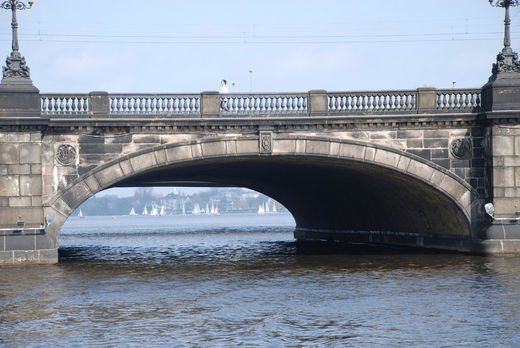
x=242, y=280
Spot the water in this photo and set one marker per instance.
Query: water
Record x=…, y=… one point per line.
x=241, y=280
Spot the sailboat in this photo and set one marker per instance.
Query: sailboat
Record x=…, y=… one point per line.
x=207, y=209
x=214, y=210
x=132, y=212
x=267, y=207
x=154, y=211
x=274, y=208
x=196, y=209
x=261, y=209
x=162, y=212
x=145, y=211
x=80, y=214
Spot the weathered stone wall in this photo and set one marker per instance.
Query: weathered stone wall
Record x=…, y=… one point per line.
x=20, y=179
x=432, y=145
x=22, y=238
x=506, y=170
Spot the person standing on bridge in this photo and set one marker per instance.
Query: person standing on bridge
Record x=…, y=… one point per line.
x=224, y=89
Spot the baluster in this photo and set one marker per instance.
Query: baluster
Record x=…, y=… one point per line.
x=451, y=100
x=168, y=105
x=467, y=102
x=474, y=100
x=381, y=104
x=299, y=103
x=334, y=102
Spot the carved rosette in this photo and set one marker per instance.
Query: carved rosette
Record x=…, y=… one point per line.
x=66, y=155
x=16, y=67
x=266, y=142
x=460, y=148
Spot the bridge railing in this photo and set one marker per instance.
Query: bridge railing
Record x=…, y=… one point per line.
x=209, y=104
x=154, y=104
x=64, y=104
x=372, y=102
x=458, y=99
x=264, y=103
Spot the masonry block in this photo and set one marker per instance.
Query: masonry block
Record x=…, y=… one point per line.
x=213, y=148
x=111, y=174
x=503, y=146
x=142, y=162
x=9, y=185
x=318, y=147
x=30, y=153
x=178, y=153
x=30, y=185
x=248, y=146
x=9, y=154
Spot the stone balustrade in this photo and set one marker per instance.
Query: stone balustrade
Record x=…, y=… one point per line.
x=423, y=100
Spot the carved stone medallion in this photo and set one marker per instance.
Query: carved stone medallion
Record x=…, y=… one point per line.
x=266, y=139
x=66, y=155
x=460, y=148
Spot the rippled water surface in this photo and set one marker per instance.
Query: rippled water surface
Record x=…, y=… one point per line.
x=235, y=280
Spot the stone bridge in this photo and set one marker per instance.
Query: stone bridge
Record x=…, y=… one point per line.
x=411, y=168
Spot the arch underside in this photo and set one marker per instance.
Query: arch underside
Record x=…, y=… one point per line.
x=326, y=194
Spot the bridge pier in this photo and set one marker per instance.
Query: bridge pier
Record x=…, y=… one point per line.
x=23, y=239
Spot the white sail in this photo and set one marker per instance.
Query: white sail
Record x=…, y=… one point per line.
x=154, y=211
x=162, y=213
x=183, y=209
x=132, y=212
x=80, y=214
x=145, y=211
x=207, y=209
x=261, y=209
x=267, y=207
x=274, y=208
x=196, y=209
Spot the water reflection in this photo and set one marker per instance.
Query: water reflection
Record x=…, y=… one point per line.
x=256, y=288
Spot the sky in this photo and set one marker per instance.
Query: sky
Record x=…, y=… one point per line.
x=167, y=46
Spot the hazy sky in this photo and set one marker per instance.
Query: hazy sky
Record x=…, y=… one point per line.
x=189, y=46
x=291, y=46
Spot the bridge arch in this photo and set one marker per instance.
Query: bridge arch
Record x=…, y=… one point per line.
x=330, y=186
